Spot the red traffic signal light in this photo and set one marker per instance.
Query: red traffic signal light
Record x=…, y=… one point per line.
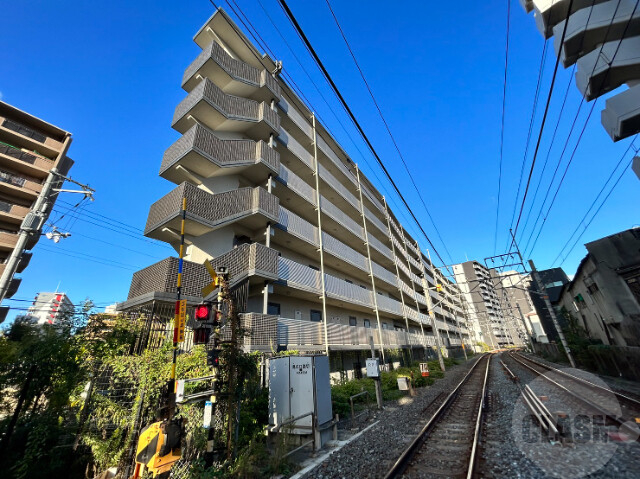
x=203, y=311
x=213, y=358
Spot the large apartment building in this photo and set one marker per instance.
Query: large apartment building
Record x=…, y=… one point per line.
x=29, y=149
x=318, y=260
x=477, y=284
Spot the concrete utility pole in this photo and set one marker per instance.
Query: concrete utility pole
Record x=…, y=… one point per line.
x=31, y=225
x=543, y=291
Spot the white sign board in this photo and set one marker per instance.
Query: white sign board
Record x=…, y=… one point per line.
x=403, y=384
x=373, y=368
x=208, y=410
x=180, y=391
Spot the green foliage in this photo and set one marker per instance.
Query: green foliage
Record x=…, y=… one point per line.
x=340, y=393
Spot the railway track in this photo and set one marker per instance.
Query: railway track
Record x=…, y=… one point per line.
x=594, y=396
x=447, y=445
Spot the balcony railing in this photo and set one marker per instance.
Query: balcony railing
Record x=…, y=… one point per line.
x=299, y=276
x=339, y=216
x=339, y=187
x=308, y=335
x=13, y=209
x=209, y=211
x=20, y=181
x=297, y=184
x=229, y=107
x=249, y=260
x=8, y=240
x=384, y=274
x=25, y=156
x=296, y=148
x=295, y=225
x=235, y=69
x=389, y=305
x=200, y=143
x=339, y=249
x=379, y=246
x=373, y=219
x=329, y=153
x=296, y=118
x=340, y=289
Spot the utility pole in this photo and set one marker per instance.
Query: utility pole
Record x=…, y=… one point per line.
x=376, y=380
x=543, y=291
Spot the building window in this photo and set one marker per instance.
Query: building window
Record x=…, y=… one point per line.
x=273, y=308
x=593, y=288
x=367, y=323
x=353, y=321
x=316, y=315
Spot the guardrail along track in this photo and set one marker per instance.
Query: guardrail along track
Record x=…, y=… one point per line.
x=447, y=445
x=586, y=392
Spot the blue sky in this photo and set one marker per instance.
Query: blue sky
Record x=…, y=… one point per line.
x=110, y=73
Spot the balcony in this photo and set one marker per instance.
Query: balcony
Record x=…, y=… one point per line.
x=218, y=111
x=28, y=138
x=201, y=152
x=249, y=261
x=605, y=69
x=24, y=161
x=206, y=212
x=389, y=305
x=12, y=213
x=374, y=220
x=621, y=117
x=8, y=240
x=16, y=185
x=232, y=75
x=309, y=336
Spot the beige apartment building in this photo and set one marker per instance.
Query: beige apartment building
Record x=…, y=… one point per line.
x=29, y=149
x=317, y=259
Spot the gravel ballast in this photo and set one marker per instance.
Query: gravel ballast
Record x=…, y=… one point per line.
x=373, y=453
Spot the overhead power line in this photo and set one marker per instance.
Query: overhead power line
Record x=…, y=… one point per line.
x=620, y=162
x=544, y=119
x=504, y=101
x=386, y=125
x=306, y=41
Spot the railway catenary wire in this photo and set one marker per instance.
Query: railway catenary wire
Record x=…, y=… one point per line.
x=589, y=394
x=447, y=446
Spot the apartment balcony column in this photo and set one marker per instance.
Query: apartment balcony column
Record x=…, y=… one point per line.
x=373, y=281
x=395, y=260
x=267, y=242
x=316, y=175
x=432, y=315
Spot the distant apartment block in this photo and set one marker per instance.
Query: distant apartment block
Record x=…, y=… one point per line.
x=318, y=260
x=517, y=307
x=51, y=308
x=604, y=295
x=478, y=284
x=553, y=280
x=29, y=149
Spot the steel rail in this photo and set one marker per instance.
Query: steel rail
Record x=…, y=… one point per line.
x=409, y=453
x=619, y=395
x=620, y=421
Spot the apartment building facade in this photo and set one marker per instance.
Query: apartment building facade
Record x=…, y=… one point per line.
x=604, y=295
x=319, y=260
x=29, y=149
x=51, y=308
x=517, y=307
x=479, y=290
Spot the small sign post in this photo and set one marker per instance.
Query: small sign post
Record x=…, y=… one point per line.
x=373, y=368
x=182, y=319
x=424, y=369
x=208, y=410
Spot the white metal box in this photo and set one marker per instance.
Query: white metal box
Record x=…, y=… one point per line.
x=299, y=385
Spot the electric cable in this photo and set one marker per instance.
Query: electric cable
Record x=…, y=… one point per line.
x=386, y=125
x=355, y=121
x=504, y=100
x=544, y=119
x=631, y=146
